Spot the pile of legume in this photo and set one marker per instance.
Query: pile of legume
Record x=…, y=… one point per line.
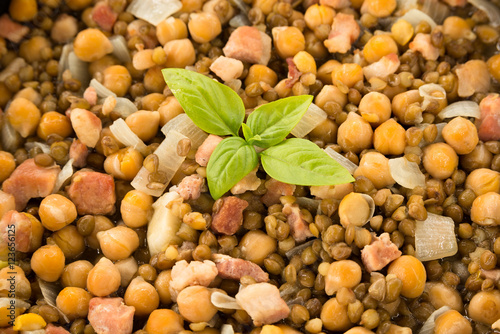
x=406, y=97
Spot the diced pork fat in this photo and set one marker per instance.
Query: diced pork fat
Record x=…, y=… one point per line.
x=8, y=330
x=51, y=329
x=11, y=30
x=229, y=217
x=456, y=3
x=20, y=224
x=248, y=183
x=262, y=301
x=90, y=95
x=493, y=274
x=473, y=76
x=249, y=44
x=233, y=268
x=64, y=29
x=92, y=192
x=379, y=253
x=7, y=203
x=422, y=43
x=104, y=16
x=345, y=31
x=111, y=316
x=87, y=126
x=206, y=149
x=489, y=123
x=383, y=68
x=336, y=4
x=276, y=189
x=30, y=181
x=293, y=73
x=190, y=187
x=227, y=68
x=78, y=151
x=299, y=228
x=194, y=273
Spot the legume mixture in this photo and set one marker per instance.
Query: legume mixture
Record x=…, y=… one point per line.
x=96, y=240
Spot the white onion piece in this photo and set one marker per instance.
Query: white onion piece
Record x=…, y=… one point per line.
x=307, y=203
x=415, y=16
x=13, y=68
x=120, y=49
x=496, y=325
x=435, y=238
x=64, y=175
x=405, y=5
x=221, y=300
x=426, y=92
x=490, y=10
x=19, y=303
x=461, y=108
x=154, y=11
x=312, y=117
x=430, y=323
x=439, y=137
x=78, y=68
x=101, y=91
x=476, y=254
x=226, y=329
x=436, y=10
x=44, y=147
x=11, y=140
x=50, y=292
x=124, y=107
x=406, y=173
x=127, y=137
x=169, y=163
x=37, y=331
x=163, y=226
x=184, y=125
x=239, y=20
x=346, y=163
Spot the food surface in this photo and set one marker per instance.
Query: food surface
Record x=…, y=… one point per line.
x=136, y=199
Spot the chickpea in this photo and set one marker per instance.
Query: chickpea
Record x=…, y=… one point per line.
x=406, y=107
x=75, y=274
x=258, y=73
x=325, y=131
x=78, y=4
x=152, y=102
x=143, y=59
x=204, y=27
x=163, y=321
x=402, y=31
x=480, y=157
x=342, y=274
x=375, y=107
x=359, y=330
x=142, y=296
x=24, y=116
x=485, y=209
x=170, y=29
x=128, y=269
x=101, y=224
x=355, y=134
x=23, y=10
x=7, y=166
x=379, y=46
x=91, y=44
x=484, y=307
x=118, y=242
x=48, y=262
x=317, y=15
x=73, y=302
x=180, y=53
x=334, y=316
x=456, y=27
x=136, y=208
x=494, y=66
x=144, y=124
x=117, y=79
x=20, y=283
x=266, y=6
x=443, y=295
x=348, y=74
x=162, y=285
x=56, y=211
x=411, y=272
x=124, y=164
x=330, y=93
x=99, y=65
x=70, y=241
x=483, y=180
x=389, y=138
x=379, y=8
x=169, y=109
x=355, y=209
x=255, y=246
x=195, y=305
x=440, y=160
x=305, y=62
x=53, y=122
x=325, y=71
x=288, y=41
x=104, y=278
x=452, y=321
x=461, y=134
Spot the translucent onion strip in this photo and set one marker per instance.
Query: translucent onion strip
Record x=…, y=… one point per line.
x=431, y=93
x=415, y=16
x=430, y=323
x=436, y=10
x=221, y=300
x=154, y=11
x=406, y=173
x=42, y=146
x=184, y=125
x=346, y=163
x=489, y=9
x=13, y=68
x=164, y=225
x=461, y=108
x=101, y=91
x=120, y=49
x=11, y=140
x=435, y=238
x=127, y=137
x=78, y=68
x=19, y=303
x=64, y=175
x=226, y=329
x=63, y=60
x=169, y=163
x=313, y=116
x=124, y=107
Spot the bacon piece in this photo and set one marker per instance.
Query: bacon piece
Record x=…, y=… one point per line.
x=383, y=68
x=345, y=31
x=64, y=29
x=276, y=189
x=493, y=274
x=206, y=149
x=299, y=228
x=87, y=126
x=422, y=43
x=11, y=30
x=78, y=151
x=51, y=329
x=7, y=203
x=379, y=253
x=262, y=301
x=233, y=268
x=293, y=73
x=29, y=181
x=489, y=123
x=20, y=224
x=229, y=217
x=104, y=16
x=473, y=76
x=249, y=44
x=336, y=4
x=249, y=182
x=194, y=273
x=227, y=68
x=92, y=192
x=190, y=187
x=90, y=95
x=111, y=316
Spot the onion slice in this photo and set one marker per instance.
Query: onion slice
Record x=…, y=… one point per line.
x=127, y=137
x=19, y=303
x=415, y=16
x=78, y=68
x=101, y=91
x=430, y=323
x=435, y=238
x=50, y=292
x=437, y=10
x=312, y=117
x=406, y=173
x=120, y=49
x=490, y=10
x=64, y=175
x=184, y=125
x=44, y=147
x=154, y=11
x=428, y=92
x=346, y=163
x=11, y=140
x=221, y=300
x=226, y=329
x=124, y=107
x=461, y=108
x=13, y=68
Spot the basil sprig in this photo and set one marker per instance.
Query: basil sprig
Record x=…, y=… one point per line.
x=217, y=109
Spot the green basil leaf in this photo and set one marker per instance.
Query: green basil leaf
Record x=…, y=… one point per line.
x=301, y=162
x=231, y=160
x=212, y=106
x=247, y=132
x=274, y=121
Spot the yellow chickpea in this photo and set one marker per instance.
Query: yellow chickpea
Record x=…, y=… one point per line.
x=144, y=124
x=342, y=274
x=180, y=53
x=78, y=4
x=48, y=262
x=406, y=107
x=204, y=27
x=330, y=93
x=359, y=330
x=118, y=243
x=23, y=10
x=440, y=160
x=389, y=138
x=334, y=316
x=484, y=307
x=266, y=6
x=91, y=44
x=7, y=165
x=163, y=321
x=452, y=322
x=441, y=295
x=348, y=74
x=379, y=46
x=256, y=246
x=20, y=283
x=375, y=167
x=483, y=180
x=24, y=116
x=485, y=209
x=56, y=211
x=101, y=224
x=75, y=274
x=305, y=62
x=195, y=305
x=53, y=122
x=162, y=285
x=104, y=278
x=317, y=15
x=124, y=164
x=402, y=31
x=461, y=134
x=258, y=73
x=142, y=296
x=375, y=107
x=152, y=101
x=136, y=208
x=325, y=71
x=456, y=27
x=31, y=50
x=169, y=109
x=73, y=302
x=70, y=241
x=99, y=65
x=355, y=209
x=325, y=131
x=170, y=29
x=117, y=79
x=494, y=66
x=355, y=134
x=288, y=41
x=411, y=272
